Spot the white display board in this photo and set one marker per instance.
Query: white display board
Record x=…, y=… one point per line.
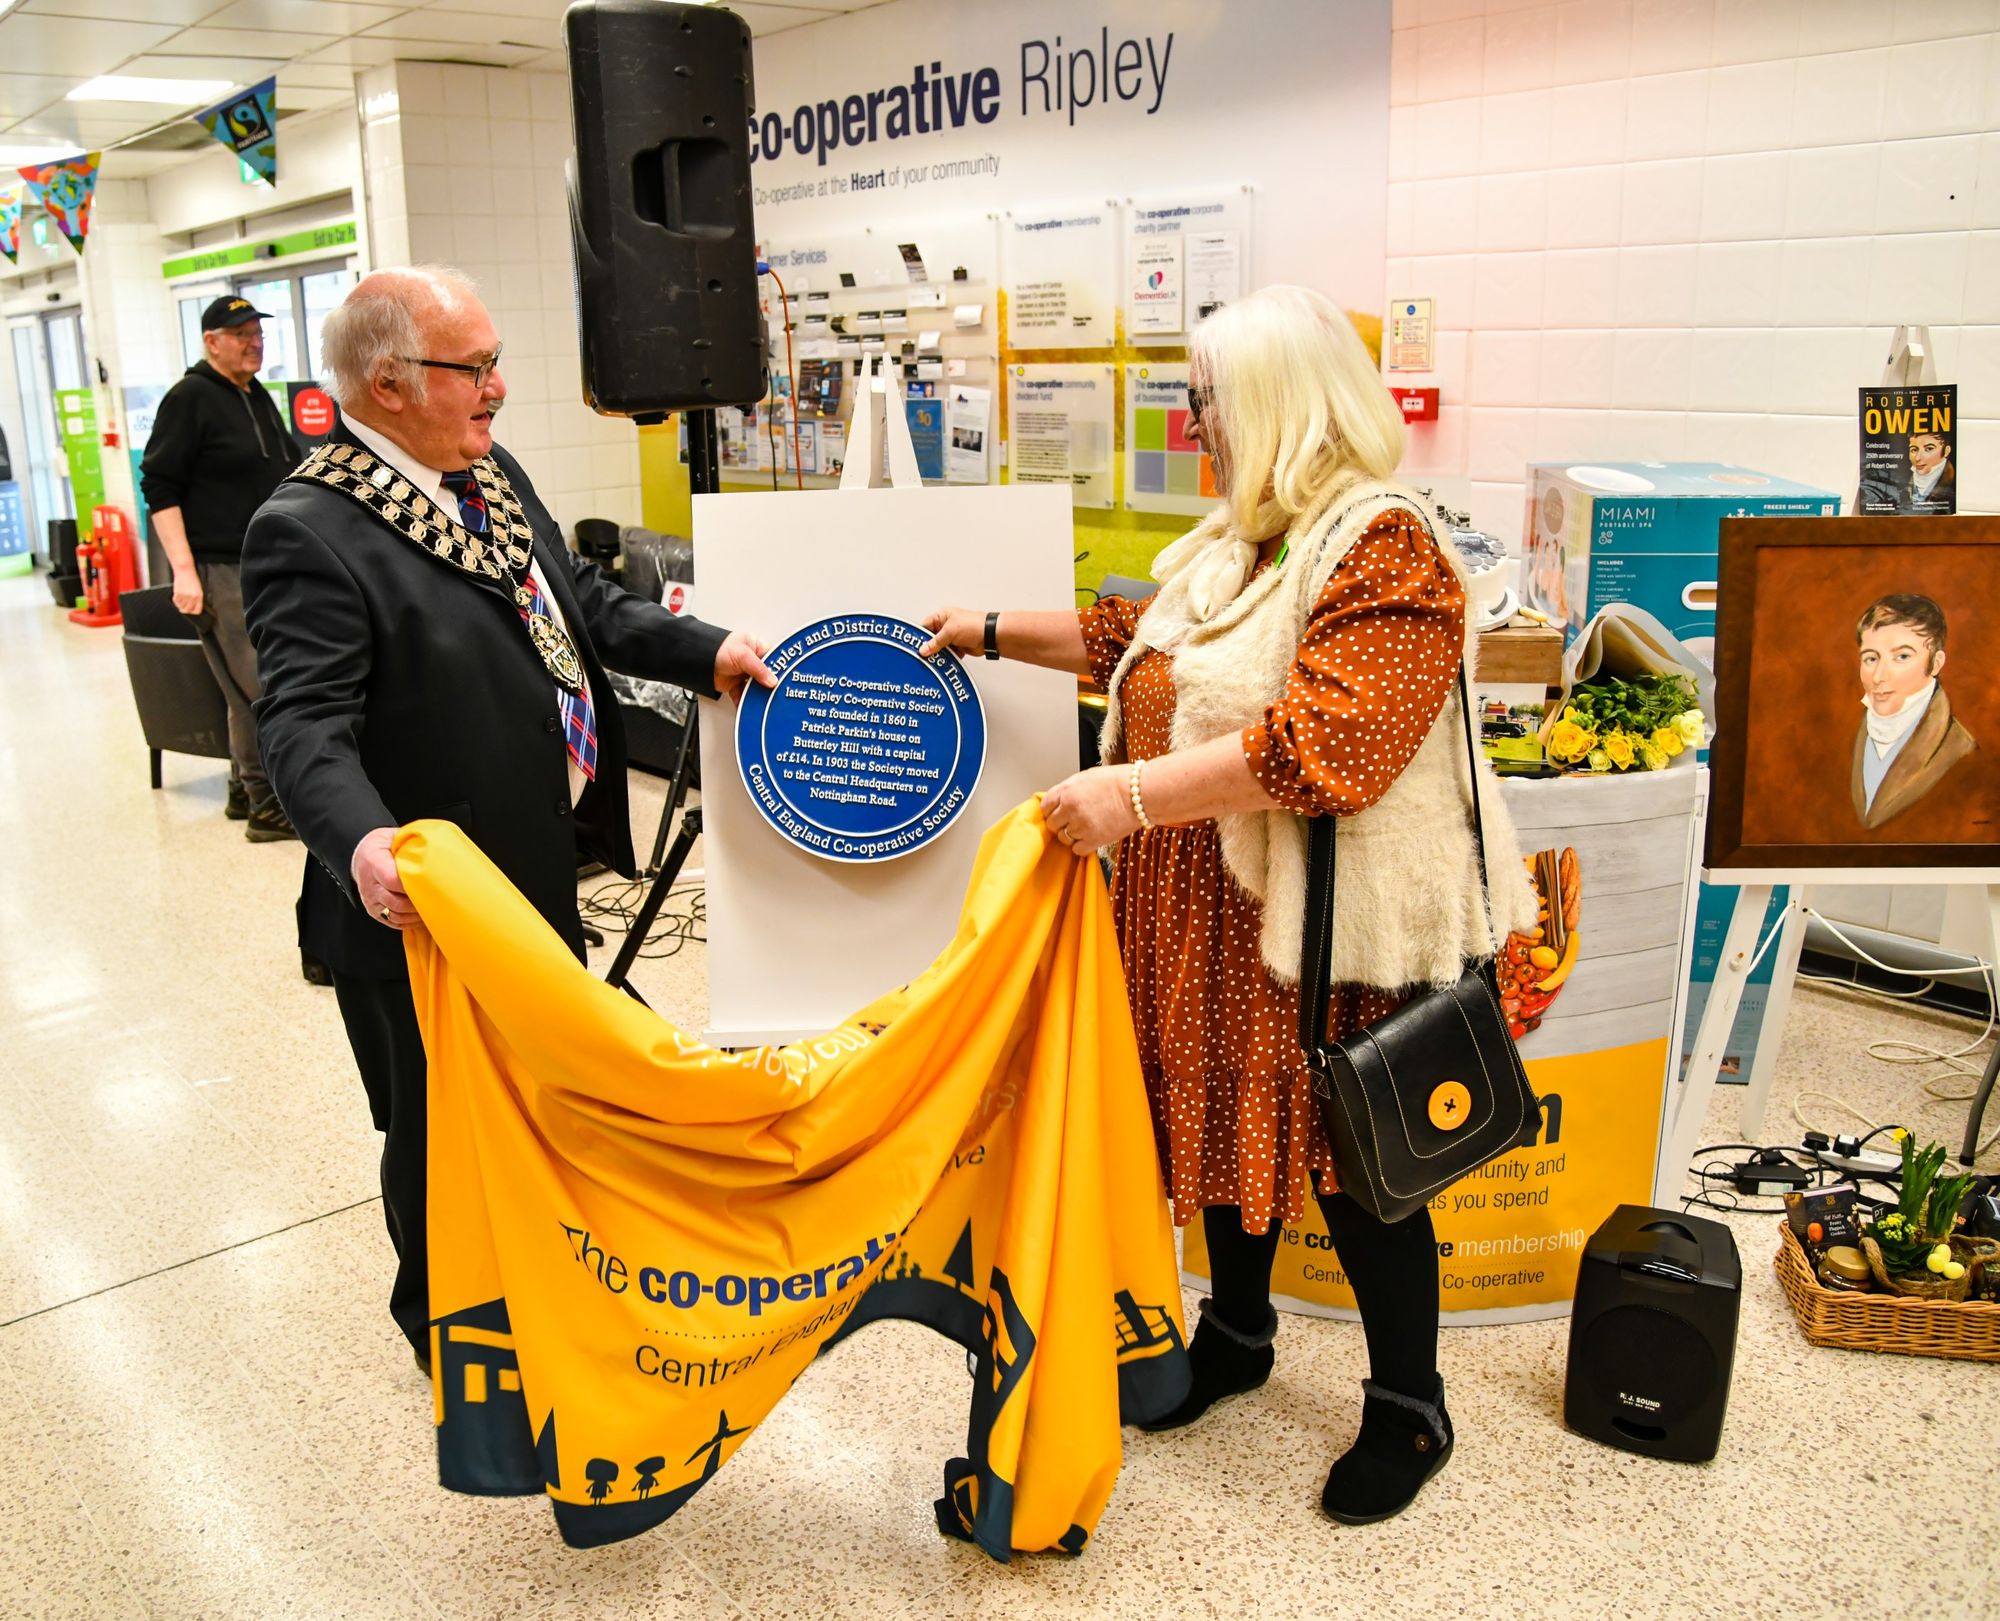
x=797, y=943
x=1059, y=269
x=1059, y=429
x=1186, y=254
x=1165, y=470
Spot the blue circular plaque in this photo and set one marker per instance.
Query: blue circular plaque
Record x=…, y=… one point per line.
x=863, y=751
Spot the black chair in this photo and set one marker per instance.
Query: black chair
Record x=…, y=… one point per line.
x=180, y=706
x=65, y=578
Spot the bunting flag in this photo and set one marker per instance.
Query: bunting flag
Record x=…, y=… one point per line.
x=10, y=225
x=248, y=125
x=65, y=189
x=638, y=1242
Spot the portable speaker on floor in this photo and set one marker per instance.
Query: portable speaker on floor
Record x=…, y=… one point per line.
x=1652, y=1335
x=659, y=208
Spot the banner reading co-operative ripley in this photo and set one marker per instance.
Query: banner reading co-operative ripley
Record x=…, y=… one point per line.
x=917, y=117
x=1595, y=998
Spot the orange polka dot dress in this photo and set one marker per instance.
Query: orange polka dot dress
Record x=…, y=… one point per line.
x=1233, y=1111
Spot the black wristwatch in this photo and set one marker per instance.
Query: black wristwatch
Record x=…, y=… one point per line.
x=993, y=635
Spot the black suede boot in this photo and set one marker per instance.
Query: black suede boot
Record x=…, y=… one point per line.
x=1224, y=1363
x=1403, y=1442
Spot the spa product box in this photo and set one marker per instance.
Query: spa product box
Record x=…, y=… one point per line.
x=1643, y=533
x=1647, y=533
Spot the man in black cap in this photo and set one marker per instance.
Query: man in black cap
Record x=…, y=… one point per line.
x=219, y=448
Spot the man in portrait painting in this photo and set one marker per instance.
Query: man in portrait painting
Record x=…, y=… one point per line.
x=1931, y=475
x=1909, y=740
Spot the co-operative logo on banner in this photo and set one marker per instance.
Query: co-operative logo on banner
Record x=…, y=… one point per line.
x=864, y=751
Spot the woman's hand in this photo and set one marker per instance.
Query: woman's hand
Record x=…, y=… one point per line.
x=963, y=630
x=1091, y=809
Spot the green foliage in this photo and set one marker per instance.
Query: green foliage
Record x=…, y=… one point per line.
x=1640, y=706
x=1925, y=1213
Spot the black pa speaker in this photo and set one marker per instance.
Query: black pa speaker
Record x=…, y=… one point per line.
x=1652, y=1335
x=659, y=207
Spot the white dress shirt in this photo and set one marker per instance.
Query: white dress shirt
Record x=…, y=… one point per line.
x=430, y=481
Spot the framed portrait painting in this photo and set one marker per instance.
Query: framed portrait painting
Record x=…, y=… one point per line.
x=1857, y=694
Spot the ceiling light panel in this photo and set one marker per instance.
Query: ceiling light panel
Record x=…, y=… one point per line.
x=160, y=92
x=16, y=154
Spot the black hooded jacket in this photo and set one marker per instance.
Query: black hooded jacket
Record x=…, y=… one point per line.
x=217, y=452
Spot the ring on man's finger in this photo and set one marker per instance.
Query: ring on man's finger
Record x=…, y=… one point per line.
x=383, y=913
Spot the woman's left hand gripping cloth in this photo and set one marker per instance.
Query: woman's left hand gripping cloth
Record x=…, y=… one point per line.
x=638, y=1242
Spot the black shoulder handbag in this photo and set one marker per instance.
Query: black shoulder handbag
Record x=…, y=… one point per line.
x=1431, y=1092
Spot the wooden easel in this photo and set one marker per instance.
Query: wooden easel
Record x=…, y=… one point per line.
x=1911, y=363
x=1732, y=972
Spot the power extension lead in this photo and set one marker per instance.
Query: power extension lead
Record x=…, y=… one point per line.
x=1862, y=1164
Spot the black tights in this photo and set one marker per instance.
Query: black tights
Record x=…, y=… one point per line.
x=1392, y=1267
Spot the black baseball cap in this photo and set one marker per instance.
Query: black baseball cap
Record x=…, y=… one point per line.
x=229, y=311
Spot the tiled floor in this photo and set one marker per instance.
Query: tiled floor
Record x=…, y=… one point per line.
x=204, y=1410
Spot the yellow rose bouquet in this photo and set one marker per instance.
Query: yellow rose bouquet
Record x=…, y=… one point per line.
x=1613, y=724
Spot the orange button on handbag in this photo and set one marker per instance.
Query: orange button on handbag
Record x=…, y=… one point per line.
x=1450, y=1106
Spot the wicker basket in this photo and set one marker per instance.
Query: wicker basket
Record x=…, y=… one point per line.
x=1878, y=1322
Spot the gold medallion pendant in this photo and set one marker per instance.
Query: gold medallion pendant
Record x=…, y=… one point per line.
x=558, y=653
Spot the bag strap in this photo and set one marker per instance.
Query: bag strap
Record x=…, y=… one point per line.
x=1316, y=953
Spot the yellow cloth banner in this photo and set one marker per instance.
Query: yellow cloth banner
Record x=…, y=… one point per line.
x=638, y=1242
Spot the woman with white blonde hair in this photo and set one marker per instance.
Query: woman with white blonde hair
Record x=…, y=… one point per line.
x=1300, y=659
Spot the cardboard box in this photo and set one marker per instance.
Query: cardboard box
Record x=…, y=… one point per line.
x=1647, y=533
x=1643, y=533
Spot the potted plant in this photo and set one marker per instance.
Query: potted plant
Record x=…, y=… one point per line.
x=1914, y=1249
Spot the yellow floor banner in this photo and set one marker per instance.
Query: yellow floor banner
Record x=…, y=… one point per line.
x=639, y=1242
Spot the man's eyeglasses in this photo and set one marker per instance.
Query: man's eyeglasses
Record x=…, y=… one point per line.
x=478, y=371
x=1198, y=403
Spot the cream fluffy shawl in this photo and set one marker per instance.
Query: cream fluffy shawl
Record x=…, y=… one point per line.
x=1408, y=904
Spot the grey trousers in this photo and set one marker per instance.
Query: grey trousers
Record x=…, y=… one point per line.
x=225, y=639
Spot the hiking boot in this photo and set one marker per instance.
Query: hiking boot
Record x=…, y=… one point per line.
x=269, y=826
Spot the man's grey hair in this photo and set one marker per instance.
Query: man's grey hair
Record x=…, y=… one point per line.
x=378, y=328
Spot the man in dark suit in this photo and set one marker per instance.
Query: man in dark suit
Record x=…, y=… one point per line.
x=429, y=648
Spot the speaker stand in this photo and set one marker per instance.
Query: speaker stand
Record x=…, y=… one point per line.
x=704, y=478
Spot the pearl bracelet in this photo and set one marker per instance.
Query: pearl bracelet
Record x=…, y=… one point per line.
x=1138, y=802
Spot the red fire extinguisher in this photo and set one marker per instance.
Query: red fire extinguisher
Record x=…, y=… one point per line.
x=108, y=566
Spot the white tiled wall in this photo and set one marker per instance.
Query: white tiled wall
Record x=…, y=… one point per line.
x=465, y=168
x=1684, y=229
